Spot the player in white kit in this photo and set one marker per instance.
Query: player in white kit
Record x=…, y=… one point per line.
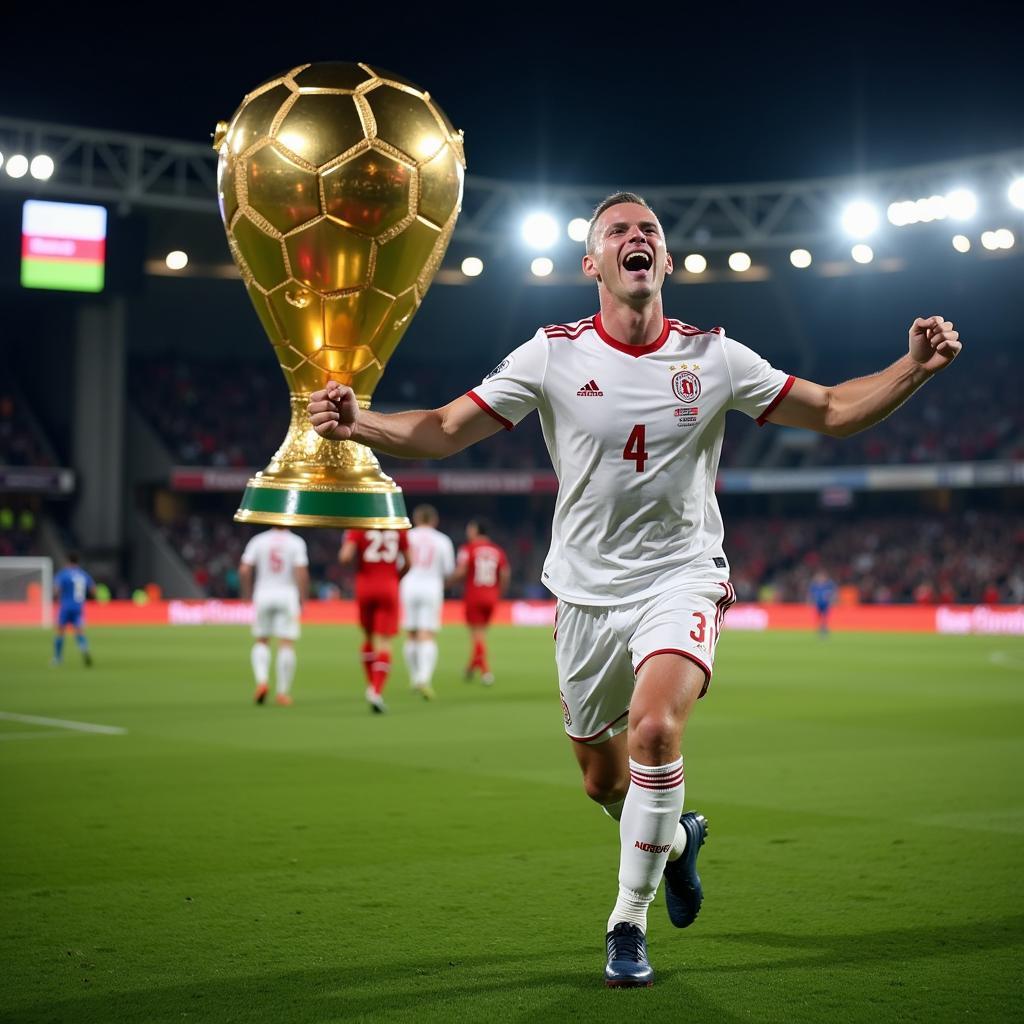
x=431, y=562
x=279, y=559
x=632, y=406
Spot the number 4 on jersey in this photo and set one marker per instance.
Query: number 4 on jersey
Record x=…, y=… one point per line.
x=634, y=449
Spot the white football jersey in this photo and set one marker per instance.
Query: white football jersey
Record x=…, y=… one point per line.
x=634, y=434
x=431, y=558
x=275, y=555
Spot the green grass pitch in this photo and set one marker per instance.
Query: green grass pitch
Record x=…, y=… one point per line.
x=222, y=862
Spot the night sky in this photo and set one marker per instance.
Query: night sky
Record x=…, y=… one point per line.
x=622, y=100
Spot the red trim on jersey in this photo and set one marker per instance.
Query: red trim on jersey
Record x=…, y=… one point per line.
x=682, y=654
x=689, y=329
x=632, y=350
x=570, y=331
x=763, y=418
x=603, y=729
x=507, y=424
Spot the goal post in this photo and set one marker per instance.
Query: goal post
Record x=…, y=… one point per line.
x=26, y=592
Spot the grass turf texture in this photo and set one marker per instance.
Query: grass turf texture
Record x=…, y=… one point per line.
x=223, y=862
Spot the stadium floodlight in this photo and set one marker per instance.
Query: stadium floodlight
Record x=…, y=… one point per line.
x=41, y=167
x=739, y=261
x=472, y=266
x=541, y=267
x=540, y=231
x=936, y=207
x=961, y=243
x=800, y=258
x=17, y=165
x=695, y=263
x=578, y=228
x=176, y=260
x=988, y=239
x=862, y=253
x=900, y=214
x=1004, y=238
x=961, y=204
x=1015, y=193
x=860, y=218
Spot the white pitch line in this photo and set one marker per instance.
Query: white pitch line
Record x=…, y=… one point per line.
x=1005, y=659
x=63, y=723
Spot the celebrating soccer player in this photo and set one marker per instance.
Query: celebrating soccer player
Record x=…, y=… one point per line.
x=431, y=564
x=633, y=409
x=484, y=567
x=381, y=558
x=281, y=563
x=71, y=587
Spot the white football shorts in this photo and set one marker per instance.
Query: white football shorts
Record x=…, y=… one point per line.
x=599, y=649
x=276, y=615
x=421, y=606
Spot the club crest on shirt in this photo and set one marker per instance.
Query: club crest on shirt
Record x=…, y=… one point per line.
x=503, y=365
x=686, y=386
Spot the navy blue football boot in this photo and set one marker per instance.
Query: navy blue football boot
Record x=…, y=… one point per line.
x=683, y=891
x=628, y=966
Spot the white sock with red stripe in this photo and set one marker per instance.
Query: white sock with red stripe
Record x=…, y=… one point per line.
x=647, y=831
x=614, y=811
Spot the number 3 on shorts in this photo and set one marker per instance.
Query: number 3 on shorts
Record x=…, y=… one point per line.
x=634, y=449
x=698, y=631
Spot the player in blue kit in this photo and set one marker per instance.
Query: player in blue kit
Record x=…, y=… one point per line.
x=822, y=594
x=71, y=587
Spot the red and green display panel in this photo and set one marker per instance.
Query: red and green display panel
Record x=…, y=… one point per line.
x=63, y=246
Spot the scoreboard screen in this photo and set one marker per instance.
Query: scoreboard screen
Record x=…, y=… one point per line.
x=63, y=246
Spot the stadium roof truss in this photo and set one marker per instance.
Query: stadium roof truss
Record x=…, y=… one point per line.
x=128, y=171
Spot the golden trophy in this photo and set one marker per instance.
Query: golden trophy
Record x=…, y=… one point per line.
x=339, y=186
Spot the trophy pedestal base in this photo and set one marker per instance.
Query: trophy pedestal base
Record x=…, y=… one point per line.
x=277, y=505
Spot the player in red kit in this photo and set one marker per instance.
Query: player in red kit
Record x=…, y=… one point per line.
x=484, y=567
x=381, y=558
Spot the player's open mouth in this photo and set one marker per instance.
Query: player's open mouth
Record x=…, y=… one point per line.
x=638, y=260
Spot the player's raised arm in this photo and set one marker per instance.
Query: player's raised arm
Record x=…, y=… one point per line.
x=854, y=405
x=245, y=581
x=423, y=434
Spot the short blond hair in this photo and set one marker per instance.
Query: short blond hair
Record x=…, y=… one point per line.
x=613, y=200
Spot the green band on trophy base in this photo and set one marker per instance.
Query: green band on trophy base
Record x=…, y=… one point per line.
x=276, y=506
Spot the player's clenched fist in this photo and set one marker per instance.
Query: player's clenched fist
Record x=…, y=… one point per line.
x=933, y=343
x=333, y=411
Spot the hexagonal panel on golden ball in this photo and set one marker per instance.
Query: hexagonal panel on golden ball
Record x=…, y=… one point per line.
x=339, y=362
x=331, y=75
x=320, y=127
x=253, y=120
x=401, y=260
x=262, y=254
x=369, y=193
x=281, y=190
x=299, y=311
x=328, y=258
x=441, y=183
x=405, y=122
x=355, y=319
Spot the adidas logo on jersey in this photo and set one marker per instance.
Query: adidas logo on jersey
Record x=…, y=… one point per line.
x=590, y=390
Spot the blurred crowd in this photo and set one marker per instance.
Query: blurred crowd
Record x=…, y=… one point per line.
x=970, y=558
x=20, y=445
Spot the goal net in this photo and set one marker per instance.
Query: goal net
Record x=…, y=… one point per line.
x=26, y=592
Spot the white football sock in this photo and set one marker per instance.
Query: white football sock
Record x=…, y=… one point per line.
x=428, y=659
x=647, y=829
x=678, y=844
x=260, y=659
x=412, y=649
x=285, y=669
